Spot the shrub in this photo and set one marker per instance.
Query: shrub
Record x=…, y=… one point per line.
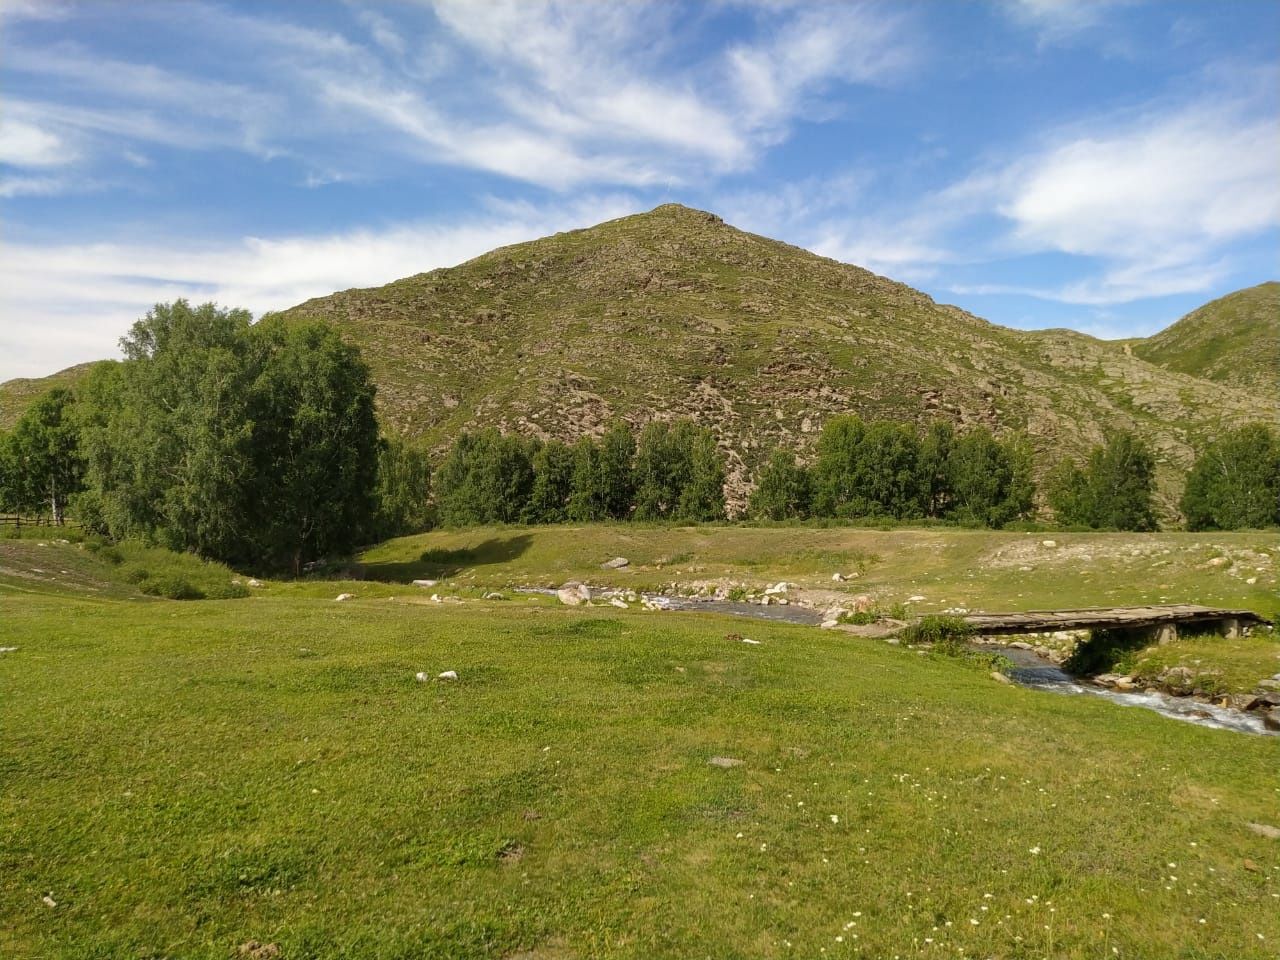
x=948, y=635
x=172, y=587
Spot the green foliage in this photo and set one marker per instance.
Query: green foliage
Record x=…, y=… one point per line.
x=40, y=463
x=935, y=467
x=1114, y=491
x=947, y=634
x=617, y=464
x=679, y=473
x=868, y=470
x=990, y=482
x=554, y=466
x=486, y=478
x=403, y=494
x=249, y=444
x=588, y=499
x=1235, y=482
x=783, y=489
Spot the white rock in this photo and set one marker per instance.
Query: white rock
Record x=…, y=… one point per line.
x=1219, y=562
x=421, y=676
x=255, y=583
x=837, y=578
x=620, y=603
x=779, y=587
x=1251, y=581
x=8, y=649
x=999, y=677
x=568, y=595
x=617, y=563
x=829, y=624
x=725, y=762
x=48, y=901
x=344, y=596
x=1048, y=543
x=448, y=675
x=916, y=599
x=584, y=591
x=754, y=643
x=425, y=583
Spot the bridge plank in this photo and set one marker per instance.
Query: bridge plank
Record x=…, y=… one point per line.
x=1045, y=621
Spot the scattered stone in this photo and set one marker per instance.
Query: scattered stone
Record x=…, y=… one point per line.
x=259, y=951
x=494, y=595
x=569, y=595
x=620, y=603
x=1125, y=683
x=754, y=643
x=725, y=763
x=916, y=599
x=425, y=583
x=617, y=563
x=421, y=676
x=435, y=598
x=48, y=901
x=255, y=583
x=1251, y=581
x=838, y=578
x=1265, y=830
x=1263, y=684
x=1048, y=543
x=1271, y=720
x=777, y=588
x=344, y=596
x=8, y=649
x=1251, y=865
x=448, y=675
x=1218, y=562
x=1000, y=677
x=829, y=624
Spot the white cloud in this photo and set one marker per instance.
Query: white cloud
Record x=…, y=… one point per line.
x=24, y=144
x=554, y=93
x=67, y=303
x=1058, y=20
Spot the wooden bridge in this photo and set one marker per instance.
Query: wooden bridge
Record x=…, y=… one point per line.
x=1161, y=621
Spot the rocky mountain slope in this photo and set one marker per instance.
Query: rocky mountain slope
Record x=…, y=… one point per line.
x=673, y=313
x=17, y=395
x=1234, y=340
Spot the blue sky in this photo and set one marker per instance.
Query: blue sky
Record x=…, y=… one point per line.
x=1104, y=165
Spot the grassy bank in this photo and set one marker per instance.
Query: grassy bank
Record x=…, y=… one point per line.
x=978, y=569
x=183, y=778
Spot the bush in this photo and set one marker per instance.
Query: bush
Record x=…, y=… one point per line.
x=171, y=587
x=948, y=635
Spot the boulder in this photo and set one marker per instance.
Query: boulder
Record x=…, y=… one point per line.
x=617, y=563
x=1048, y=543
x=837, y=578
x=620, y=603
x=1265, y=830
x=447, y=675
x=1272, y=684
x=1000, y=677
x=777, y=588
x=829, y=624
x=426, y=584
x=571, y=594
x=344, y=596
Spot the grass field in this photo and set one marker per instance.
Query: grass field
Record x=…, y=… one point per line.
x=183, y=779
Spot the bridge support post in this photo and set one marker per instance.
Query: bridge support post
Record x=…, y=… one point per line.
x=1166, y=633
x=1231, y=629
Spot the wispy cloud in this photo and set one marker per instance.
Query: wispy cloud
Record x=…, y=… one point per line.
x=554, y=93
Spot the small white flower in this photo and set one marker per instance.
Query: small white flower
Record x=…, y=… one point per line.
x=1034, y=851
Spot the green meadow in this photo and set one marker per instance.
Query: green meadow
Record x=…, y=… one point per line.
x=264, y=776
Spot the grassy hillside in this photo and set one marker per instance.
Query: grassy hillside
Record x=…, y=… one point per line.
x=1234, y=340
x=265, y=778
x=17, y=395
x=674, y=313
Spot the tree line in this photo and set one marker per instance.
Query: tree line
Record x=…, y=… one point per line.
x=257, y=444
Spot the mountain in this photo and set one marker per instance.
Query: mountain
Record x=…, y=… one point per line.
x=17, y=395
x=1234, y=340
x=674, y=313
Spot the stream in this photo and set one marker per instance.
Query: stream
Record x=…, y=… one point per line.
x=1029, y=670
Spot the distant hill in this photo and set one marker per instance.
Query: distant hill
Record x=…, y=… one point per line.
x=673, y=313
x=17, y=395
x=1234, y=340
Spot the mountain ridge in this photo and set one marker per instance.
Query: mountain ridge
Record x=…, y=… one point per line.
x=675, y=313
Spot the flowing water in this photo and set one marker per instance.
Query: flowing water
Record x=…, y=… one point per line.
x=1032, y=670
x=1029, y=668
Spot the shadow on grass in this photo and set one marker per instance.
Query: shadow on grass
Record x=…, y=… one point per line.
x=439, y=564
